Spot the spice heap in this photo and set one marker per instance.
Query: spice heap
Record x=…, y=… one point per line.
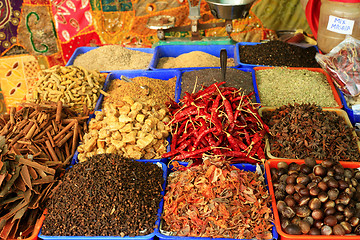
x=158, y=90
x=36, y=144
x=217, y=121
x=317, y=199
x=217, y=201
x=192, y=59
x=129, y=128
x=193, y=81
x=278, y=53
x=122, y=202
x=300, y=131
x=282, y=86
x=113, y=57
x=74, y=86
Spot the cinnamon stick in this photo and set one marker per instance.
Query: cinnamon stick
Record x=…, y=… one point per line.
x=58, y=111
x=51, y=150
x=65, y=129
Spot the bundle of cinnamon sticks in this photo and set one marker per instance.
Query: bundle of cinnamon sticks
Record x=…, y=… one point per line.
x=37, y=143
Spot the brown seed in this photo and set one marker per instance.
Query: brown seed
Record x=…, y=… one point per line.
x=317, y=214
x=338, y=230
x=314, y=203
x=326, y=230
x=330, y=220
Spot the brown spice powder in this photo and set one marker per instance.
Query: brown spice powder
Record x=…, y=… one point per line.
x=192, y=59
x=113, y=57
x=160, y=90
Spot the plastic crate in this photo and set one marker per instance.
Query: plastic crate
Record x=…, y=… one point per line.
x=75, y=159
x=354, y=118
x=163, y=75
x=340, y=112
x=179, y=82
x=146, y=237
x=320, y=70
x=175, y=51
x=247, y=65
x=272, y=163
x=81, y=50
x=241, y=166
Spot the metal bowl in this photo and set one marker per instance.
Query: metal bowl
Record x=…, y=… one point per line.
x=230, y=9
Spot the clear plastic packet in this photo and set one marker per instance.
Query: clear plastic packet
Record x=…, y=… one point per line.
x=342, y=63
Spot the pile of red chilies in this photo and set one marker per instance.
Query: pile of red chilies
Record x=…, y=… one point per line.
x=216, y=121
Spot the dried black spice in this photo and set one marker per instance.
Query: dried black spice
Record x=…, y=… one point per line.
x=278, y=53
x=300, y=131
x=106, y=196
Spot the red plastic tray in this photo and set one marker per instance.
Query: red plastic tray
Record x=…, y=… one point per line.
x=320, y=70
x=273, y=163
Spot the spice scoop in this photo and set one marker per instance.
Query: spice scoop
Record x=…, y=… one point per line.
x=223, y=62
x=146, y=87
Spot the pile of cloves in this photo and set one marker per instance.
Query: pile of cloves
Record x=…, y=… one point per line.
x=317, y=198
x=37, y=143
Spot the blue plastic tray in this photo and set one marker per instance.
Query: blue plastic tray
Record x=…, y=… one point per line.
x=146, y=237
x=179, y=82
x=163, y=75
x=82, y=50
x=175, y=51
x=354, y=118
x=246, y=65
x=242, y=166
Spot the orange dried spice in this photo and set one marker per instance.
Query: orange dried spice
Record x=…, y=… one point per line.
x=217, y=201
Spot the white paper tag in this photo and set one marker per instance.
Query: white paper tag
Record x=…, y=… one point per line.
x=340, y=25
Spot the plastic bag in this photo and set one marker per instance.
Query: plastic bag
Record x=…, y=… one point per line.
x=342, y=63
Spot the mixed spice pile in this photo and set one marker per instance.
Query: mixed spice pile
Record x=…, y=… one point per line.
x=217, y=200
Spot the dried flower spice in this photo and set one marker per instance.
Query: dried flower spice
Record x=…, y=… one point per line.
x=106, y=196
x=217, y=200
x=282, y=86
x=305, y=130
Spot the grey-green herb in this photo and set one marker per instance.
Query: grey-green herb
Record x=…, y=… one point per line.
x=281, y=86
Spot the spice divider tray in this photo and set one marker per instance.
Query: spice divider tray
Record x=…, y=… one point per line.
x=179, y=82
x=284, y=236
x=241, y=166
x=163, y=75
x=319, y=70
x=81, y=50
x=146, y=237
x=339, y=112
x=175, y=51
x=75, y=159
x=247, y=65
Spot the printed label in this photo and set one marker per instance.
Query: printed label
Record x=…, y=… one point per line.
x=340, y=25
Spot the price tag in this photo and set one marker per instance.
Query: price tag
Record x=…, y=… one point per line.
x=340, y=25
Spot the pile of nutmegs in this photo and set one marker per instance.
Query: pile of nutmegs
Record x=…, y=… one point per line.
x=317, y=199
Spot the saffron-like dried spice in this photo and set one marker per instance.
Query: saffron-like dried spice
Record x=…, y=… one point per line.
x=217, y=200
